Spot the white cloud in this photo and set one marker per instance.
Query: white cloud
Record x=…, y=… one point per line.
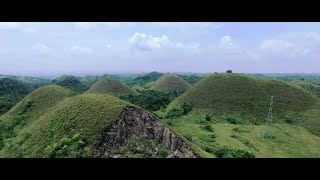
x=29, y=30
x=3, y=51
x=275, y=45
x=9, y=25
x=23, y=27
x=108, y=46
x=85, y=25
x=284, y=47
x=226, y=42
x=188, y=25
x=41, y=48
x=81, y=50
x=313, y=36
x=179, y=45
x=148, y=42
x=195, y=46
x=103, y=25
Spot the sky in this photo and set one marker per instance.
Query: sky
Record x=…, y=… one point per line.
x=81, y=48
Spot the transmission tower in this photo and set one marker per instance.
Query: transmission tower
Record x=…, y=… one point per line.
x=268, y=132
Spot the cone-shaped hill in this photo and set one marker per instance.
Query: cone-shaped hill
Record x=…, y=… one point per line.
x=55, y=122
x=111, y=86
x=249, y=97
x=171, y=82
x=70, y=82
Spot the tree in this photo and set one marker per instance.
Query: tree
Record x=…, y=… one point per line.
x=186, y=107
x=229, y=71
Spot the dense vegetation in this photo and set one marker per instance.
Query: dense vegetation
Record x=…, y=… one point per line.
x=152, y=100
x=192, y=79
x=143, y=80
x=111, y=86
x=11, y=92
x=70, y=82
x=170, y=82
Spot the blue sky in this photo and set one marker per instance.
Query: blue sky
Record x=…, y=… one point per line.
x=53, y=48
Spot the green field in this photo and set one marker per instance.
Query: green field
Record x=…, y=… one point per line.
x=288, y=141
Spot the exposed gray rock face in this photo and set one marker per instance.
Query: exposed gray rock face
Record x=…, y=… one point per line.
x=143, y=125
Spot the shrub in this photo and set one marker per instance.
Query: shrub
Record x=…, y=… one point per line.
x=207, y=117
x=74, y=147
x=186, y=107
x=289, y=119
x=208, y=128
x=234, y=120
x=226, y=152
x=163, y=153
x=188, y=137
x=240, y=130
x=174, y=113
x=169, y=123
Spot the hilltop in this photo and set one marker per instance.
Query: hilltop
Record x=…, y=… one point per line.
x=71, y=125
x=111, y=86
x=248, y=98
x=152, y=76
x=70, y=82
x=170, y=82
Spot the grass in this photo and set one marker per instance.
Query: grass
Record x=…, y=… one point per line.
x=171, y=82
x=112, y=87
x=288, y=141
x=55, y=122
x=85, y=114
x=247, y=97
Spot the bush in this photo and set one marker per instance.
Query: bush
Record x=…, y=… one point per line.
x=289, y=119
x=207, y=117
x=186, y=107
x=240, y=130
x=208, y=128
x=69, y=147
x=174, y=113
x=163, y=153
x=234, y=120
x=225, y=152
x=188, y=137
x=169, y=123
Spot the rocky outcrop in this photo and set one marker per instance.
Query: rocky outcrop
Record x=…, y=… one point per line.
x=135, y=122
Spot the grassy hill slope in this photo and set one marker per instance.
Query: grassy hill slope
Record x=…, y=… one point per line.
x=171, y=82
x=29, y=109
x=248, y=97
x=83, y=116
x=111, y=86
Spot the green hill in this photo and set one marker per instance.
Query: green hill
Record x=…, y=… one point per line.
x=70, y=82
x=53, y=124
x=170, y=82
x=30, y=108
x=312, y=88
x=246, y=97
x=111, y=86
x=153, y=76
